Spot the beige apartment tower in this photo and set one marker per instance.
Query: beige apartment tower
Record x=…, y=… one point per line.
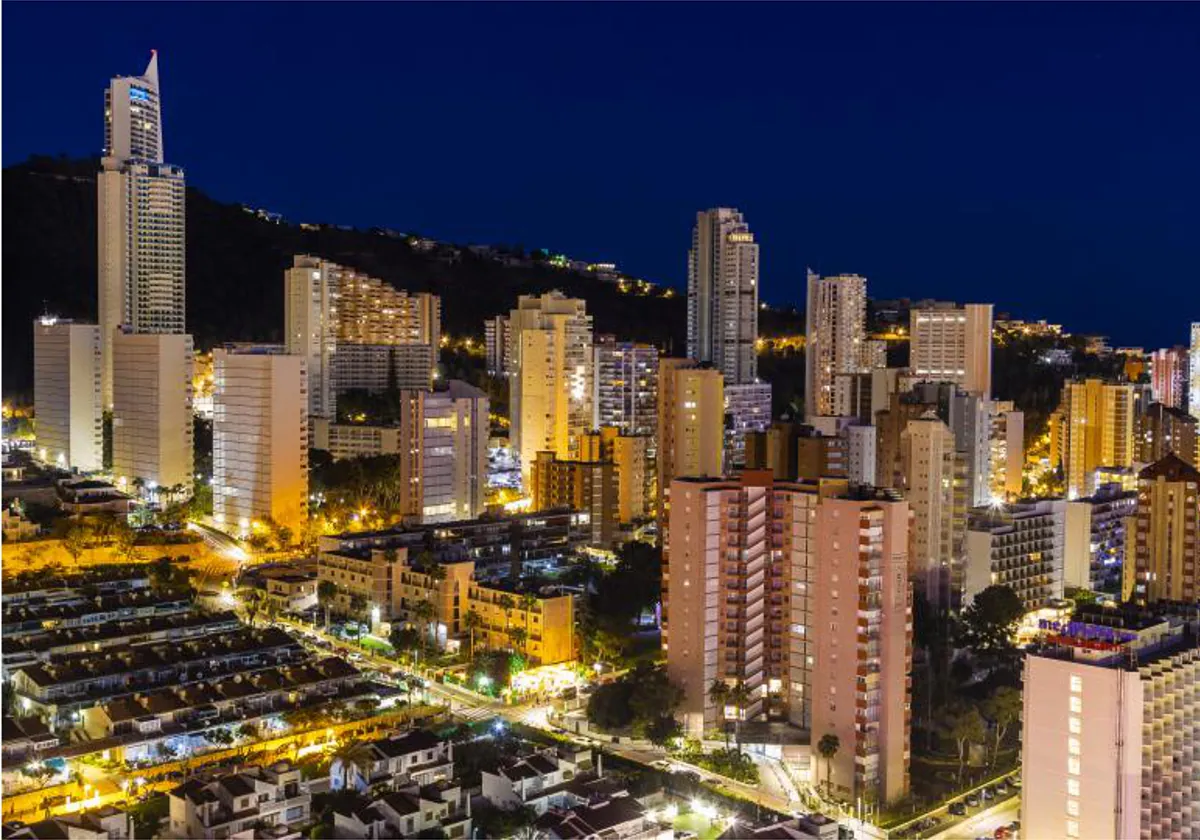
x=737, y=585
x=1162, y=550
x=723, y=295
x=953, y=344
x=628, y=454
x=551, y=380
x=691, y=424
x=935, y=486
x=152, y=411
x=260, y=439
x=836, y=332
x=66, y=394
x=1096, y=430
x=861, y=643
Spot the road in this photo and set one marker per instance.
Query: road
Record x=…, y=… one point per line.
x=985, y=822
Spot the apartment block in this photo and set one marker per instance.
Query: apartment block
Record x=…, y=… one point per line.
x=835, y=331
x=723, y=295
x=747, y=410
x=1097, y=430
x=1169, y=376
x=1162, y=429
x=377, y=368
x=589, y=487
x=1162, y=551
x=860, y=454
x=1094, y=541
x=935, y=486
x=626, y=387
x=629, y=454
x=1021, y=546
x=1006, y=437
x=739, y=577
x=953, y=343
x=793, y=451
x=355, y=440
x=552, y=381
x=691, y=426
x=66, y=394
x=861, y=644
x=497, y=344
x=1109, y=729
x=1194, y=371
x=260, y=439
x=152, y=411
x=234, y=804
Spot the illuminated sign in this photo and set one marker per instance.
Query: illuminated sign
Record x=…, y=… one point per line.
x=138, y=93
x=740, y=237
x=1081, y=634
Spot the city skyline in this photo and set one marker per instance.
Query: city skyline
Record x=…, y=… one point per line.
x=1040, y=210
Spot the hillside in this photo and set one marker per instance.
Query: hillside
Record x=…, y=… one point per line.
x=235, y=264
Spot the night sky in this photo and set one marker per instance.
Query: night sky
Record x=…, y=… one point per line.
x=1046, y=158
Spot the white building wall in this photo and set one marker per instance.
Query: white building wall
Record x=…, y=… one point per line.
x=860, y=468
x=67, y=400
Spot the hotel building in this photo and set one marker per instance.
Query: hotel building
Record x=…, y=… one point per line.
x=836, y=330
x=1162, y=430
x=66, y=394
x=1094, y=540
x=1095, y=428
x=1162, y=551
x=723, y=295
x=1020, y=546
x=691, y=425
x=951, y=343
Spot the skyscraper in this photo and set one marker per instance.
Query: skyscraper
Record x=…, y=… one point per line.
x=1097, y=430
x=66, y=394
x=260, y=438
x=1169, y=376
x=1161, y=429
x=552, y=370
x=691, y=411
x=723, y=295
x=1194, y=372
x=626, y=386
x=935, y=486
x=140, y=202
x=1162, y=557
x=953, y=344
x=836, y=329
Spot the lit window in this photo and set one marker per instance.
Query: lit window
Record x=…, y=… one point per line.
x=1073, y=766
x=1073, y=746
x=1077, y=705
x=1076, y=683
x=1073, y=807
x=1072, y=828
x=1075, y=725
x=1073, y=787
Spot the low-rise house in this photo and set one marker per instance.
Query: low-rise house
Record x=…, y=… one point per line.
x=107, y=823
x=294, y=592
x=810, y=827
x=34, y=616
x=416, y=757
x=16, y=527
x=411, y=811
x=540, y=780
x=86, y=496
x=257, y=802
x=25, y=737
x=619, y=817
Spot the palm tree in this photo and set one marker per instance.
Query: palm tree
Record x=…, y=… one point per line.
x=423, y=613
x=528, y=602
x=718, y=693
x=252, y=600
x=326, y=593
x=472, y=621
x=828, y=747
x=740, y=696
x=352, y=754
x=518, y=637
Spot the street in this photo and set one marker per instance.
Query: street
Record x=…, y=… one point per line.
x=985, y=822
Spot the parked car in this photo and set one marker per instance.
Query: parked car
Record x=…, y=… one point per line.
x=973, y=800
x=1001, y=833
x=958, y=809
x=987, y=794
x=1002, y=789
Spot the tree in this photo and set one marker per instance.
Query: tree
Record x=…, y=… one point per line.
x=740, y=696
x=252, y=601
x=718, y=693
x=405, y=640
x=124, y=542
x=506, y=603
x=326, y=595
x=965, y=725
x=1003, y=708
x=358, y=605
x=423, y=613
x=828, y=747
x=518, y=637
x=76, y=541
x=990, y=623
x=162, y=573
x=472, y=621
x=351, y=755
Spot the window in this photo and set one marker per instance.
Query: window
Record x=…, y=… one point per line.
x=1074, y=725
x=1073, y=787
x=1073, y=746
x=1073, y=766
x=1076, y=683
x=1077, y=705
x=1072, y=828
x=1073, y=807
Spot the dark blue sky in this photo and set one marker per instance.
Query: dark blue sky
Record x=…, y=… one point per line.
x=1046, y=157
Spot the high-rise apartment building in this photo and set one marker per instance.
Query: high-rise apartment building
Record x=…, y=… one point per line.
x=1162, y=551
x=1169, y=376
x=626, y=386
x=497, y=345
x=738, y=579
x=589, y=487
x=935, y=486
x=66, y=394
x=1006, y=437
x=890, y=422
x=747, y=410
x=1020, y=546
x=260, y=438
x=969, y=417
x=330, y=310
x=723, y=295
x=152, y=411
x=792, y=451
x=836, y=329
x=1094, y=540
x=691, y=425
x=1194, y=371
x=860, y=454
x=1097, y=426
x=140, y=205
x=859, y=634
x=551, y=383
x=629, y=454
x=1109, y=729
x=1162, y=429
x=953, y=344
